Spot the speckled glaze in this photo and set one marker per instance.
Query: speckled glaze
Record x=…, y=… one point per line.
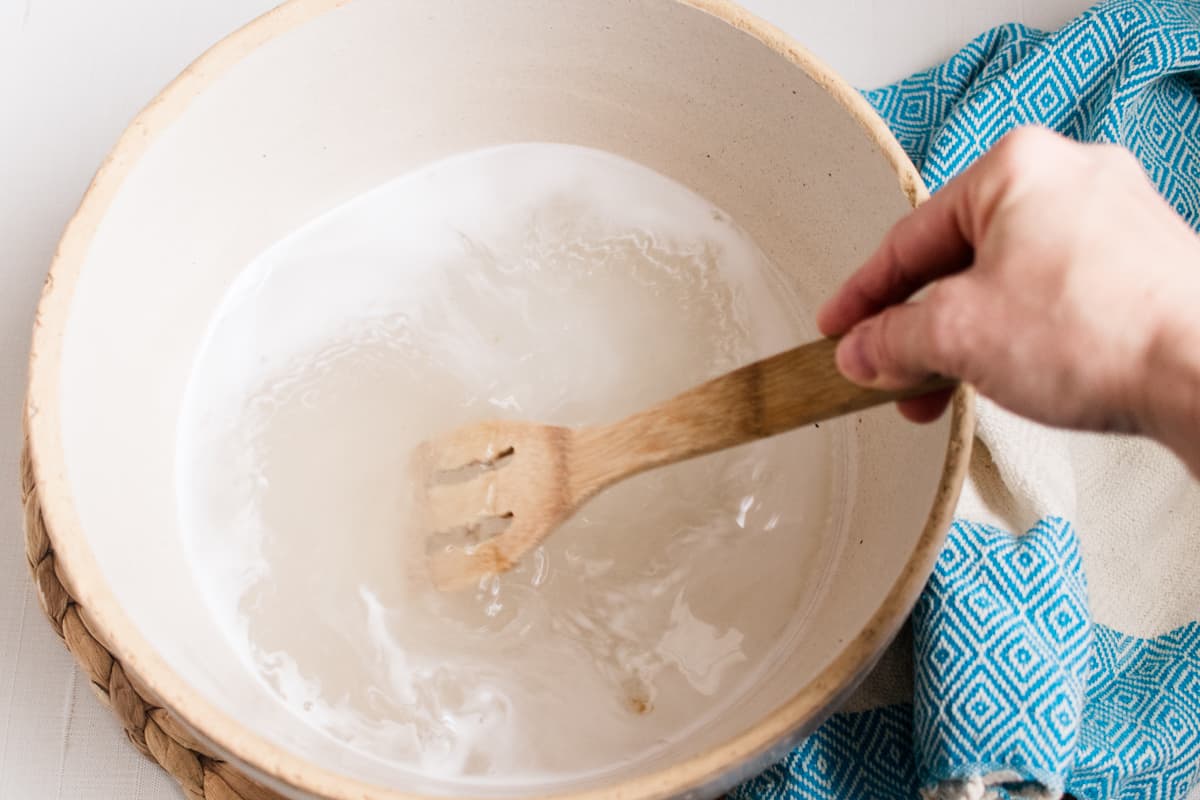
x=321, y=100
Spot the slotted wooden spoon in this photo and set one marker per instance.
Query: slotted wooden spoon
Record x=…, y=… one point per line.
x=534, y=477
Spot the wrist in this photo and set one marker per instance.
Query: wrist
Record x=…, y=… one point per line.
x=1171, y=408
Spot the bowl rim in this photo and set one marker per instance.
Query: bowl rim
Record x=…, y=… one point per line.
x=705, y=773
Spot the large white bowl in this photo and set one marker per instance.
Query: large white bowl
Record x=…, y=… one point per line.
x=321, y=100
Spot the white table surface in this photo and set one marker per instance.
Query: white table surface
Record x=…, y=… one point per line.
x=72, y=74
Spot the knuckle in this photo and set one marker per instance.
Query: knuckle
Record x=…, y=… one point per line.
x=1115, y=154
x=946, y=292
x=900, y=254
x=948, y=329
x=1023, y=146
x=881, y=340
x=1123, y=164
x=1017, y=165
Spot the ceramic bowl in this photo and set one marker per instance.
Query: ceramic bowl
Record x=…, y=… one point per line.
x=322, y=100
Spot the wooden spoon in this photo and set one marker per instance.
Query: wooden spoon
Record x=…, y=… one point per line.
x=533, y=477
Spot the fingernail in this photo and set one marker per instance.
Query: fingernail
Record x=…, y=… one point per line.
x=853, y=360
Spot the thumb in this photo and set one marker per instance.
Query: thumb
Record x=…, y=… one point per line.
x=905, y=343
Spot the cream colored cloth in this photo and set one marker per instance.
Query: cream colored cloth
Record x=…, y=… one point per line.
x=1134, y=504
x=1136, y=511
x=1138, y=525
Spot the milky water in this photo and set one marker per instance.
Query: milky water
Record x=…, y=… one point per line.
x=538, y=282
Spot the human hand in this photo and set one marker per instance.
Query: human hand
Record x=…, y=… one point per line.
x=1059, y=283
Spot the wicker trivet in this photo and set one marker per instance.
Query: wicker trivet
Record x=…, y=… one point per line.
x=150, y=727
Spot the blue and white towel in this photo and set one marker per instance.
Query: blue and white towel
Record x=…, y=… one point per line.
x=1057, y=647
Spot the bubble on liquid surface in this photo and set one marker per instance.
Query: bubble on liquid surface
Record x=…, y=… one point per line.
x=538, y=282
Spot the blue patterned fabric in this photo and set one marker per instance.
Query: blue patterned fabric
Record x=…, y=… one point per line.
x=852, y=756
x=1014, y=700
x=1126, y=71
x=1011, y=674
x=1140, y=736
x=1002, y=634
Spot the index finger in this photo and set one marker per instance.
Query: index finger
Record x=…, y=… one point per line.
x=933, y=241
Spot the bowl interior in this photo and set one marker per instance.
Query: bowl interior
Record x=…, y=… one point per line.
x=321, y=102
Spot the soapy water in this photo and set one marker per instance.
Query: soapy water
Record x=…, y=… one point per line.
x=540, y=282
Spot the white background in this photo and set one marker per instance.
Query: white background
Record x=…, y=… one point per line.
x=72, y=74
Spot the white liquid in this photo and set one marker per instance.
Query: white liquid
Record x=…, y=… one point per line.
x=541, y=282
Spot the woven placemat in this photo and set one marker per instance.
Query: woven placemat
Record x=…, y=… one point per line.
x=150, y=727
